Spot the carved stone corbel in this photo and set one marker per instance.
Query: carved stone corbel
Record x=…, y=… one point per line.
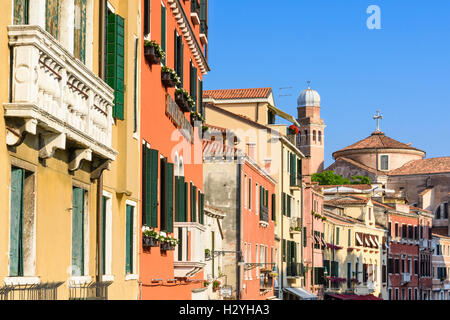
x=15, y=136
x=50, y=142
x=77, y=156
x=97, y=171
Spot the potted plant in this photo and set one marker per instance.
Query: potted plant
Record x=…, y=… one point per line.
x=182, y=99
x=207, y=253
x=205, y=284
x=216, y=285
x=293, y=130
x=153, y=52
x=195, y=116
x=168, y=243
x=169, y=77
x=149, y=237
x=204, y=128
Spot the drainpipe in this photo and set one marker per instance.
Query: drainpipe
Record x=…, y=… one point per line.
x=257, y=112
x=98, y=275
x=312, y=242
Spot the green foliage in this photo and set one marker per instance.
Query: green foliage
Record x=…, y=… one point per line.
x=327, y=178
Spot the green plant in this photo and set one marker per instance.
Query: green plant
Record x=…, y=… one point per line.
x=330, y=178
x=216, y=284
x=205, y=283
x=207, y=252
x=159, y=51
x=149, y=232
x=173, y=75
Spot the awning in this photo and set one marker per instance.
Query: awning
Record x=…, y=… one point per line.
x=367, y=241
x=371, y=241
x=358, y=239
x=301, y=293
x=284, y=115
x=317, y=239
x=376, y=240
x=323, y=241
x=352, y=297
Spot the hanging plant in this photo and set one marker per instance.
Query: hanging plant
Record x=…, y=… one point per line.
x=293, y=129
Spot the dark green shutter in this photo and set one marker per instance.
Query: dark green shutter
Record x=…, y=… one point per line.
x=305, y=240
x=169, y=206
x=154, y=188
x=129, y=240
x=200, y=98
x=185, y=201
x=163, y=32
x=176, y=50
x=146, y=185
x=115, y=62
x=283, y=200
x=135, y=113
x=249, y=194
x=202, y=208
x=273, y=207
x=78, y=232
x=21, y=11
x=288, y=200
x=52, y=14
x=16, y=224
x=284, y=250
x=299, y=168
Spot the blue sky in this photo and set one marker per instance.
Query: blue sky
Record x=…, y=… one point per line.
x=402, y=69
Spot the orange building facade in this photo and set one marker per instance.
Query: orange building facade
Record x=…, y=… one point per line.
x=171, y=262
x=258, y=241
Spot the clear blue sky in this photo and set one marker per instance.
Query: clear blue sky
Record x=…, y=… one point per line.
x=402, y=69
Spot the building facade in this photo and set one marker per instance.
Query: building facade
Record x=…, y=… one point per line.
x=441, y=267
x=67, y=128
x=174, y=63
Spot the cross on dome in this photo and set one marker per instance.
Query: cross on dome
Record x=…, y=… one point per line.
x=378, y=117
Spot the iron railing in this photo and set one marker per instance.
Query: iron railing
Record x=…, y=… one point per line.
x=89, y=291
x=41, y=291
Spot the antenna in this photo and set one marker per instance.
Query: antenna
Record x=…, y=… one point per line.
x=284, y=95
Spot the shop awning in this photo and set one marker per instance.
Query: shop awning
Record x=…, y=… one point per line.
x=323, y=242
x=316, y=238
x=376, y=240
x=301, y=293
x=352, y=297
x=367, y=241
x=284, y=115
x=372, y=242
x=358, y=239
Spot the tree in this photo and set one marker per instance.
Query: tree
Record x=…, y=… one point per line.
x=327, y=178
x=361, y=180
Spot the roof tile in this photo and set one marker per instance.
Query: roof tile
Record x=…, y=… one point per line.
x=250, y=93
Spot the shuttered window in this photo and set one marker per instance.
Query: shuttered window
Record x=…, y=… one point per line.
x=104, y=202
x=283, y=200
x=193, y=85
x=284, y=250
x=293, y=171
x=115, y=62
x=163, y=32
x=166, y=200
x=180, y=200
x=193, y=203
x=202, y=207
x=135, y=115
x=200, y=98
x=16, y=223
x=150, y=187
x=304, y=237
x=147, y=16
x=273, y=207
x=129, y=240
x=21, y=11
x=52, y=13
x=78, y=231
x=178, y=55
x=79, y=39
x=249, y=194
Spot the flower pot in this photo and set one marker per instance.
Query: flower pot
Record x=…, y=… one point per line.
x=167, y=246
x=149, y=242
x=194, y=118
x=151, y=55
x=167, y=80
x=182, y=102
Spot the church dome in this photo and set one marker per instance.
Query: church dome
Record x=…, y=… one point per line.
x=308, y=98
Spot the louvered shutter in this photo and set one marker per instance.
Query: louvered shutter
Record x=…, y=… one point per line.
x=185, y=202
x=115, y=62
x=77, y=232
x=154, y=187
x=16, y=223
x=163, y=32
x=283, y=199
x=273, y=207
x=129, y=240
x=200, y=98
x=169, y=205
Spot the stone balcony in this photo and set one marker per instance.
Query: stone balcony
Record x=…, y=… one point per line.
x=190, y=253
x=57, y=96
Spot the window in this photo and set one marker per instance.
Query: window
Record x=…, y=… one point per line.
x=114, y=61
x=250, y=194
x=193, y=85
x=21, y=11
x=52, y=13
x=135, y=91
x=257, y=196
x=349, y=237
x=337, y=235
x=178, y=57
x=22, y=216
x=390, y=294
x=130, y=236
x=79, y=41
x=320, y=137
x=166, y=195
x=79, y=238
x=396, y=229
x=396, y=294
x=193, y=203
x=384, y=160
x=304, y=237
x=245, y=192
x=147, y=17
x=257, y=261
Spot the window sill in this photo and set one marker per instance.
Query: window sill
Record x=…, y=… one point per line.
x=79, y=280
x=107, y=277
x=129, y=277
x=16, y=281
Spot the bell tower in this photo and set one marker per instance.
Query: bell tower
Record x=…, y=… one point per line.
x=311, y=141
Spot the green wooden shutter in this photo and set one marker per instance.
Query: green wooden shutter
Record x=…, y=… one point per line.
x=79, y=42
x=185, y=201
x=176, y=50
x=163, y=195
x=78, y=232
x=163, y=32
x=249, y=194
x=16, y=223
x=146, y=186
x=154, y=188
x=283, y=204
x=305, y=240
x=284, y=250
x=115, y=62
x=273, y=207
x=129, y=240
x=169, y=206
x=194, y=92
x=200, y=98
x=21, y=11
x=299, y=168
x=202, y=207
x=288, y=200
x=194, y=203
x=135, y=113
x=177, y=199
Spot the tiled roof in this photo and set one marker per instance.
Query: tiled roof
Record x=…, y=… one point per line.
x=360, y=165
x=424, y=166
x=378, y=140
x=251, y=93
x=345, y=201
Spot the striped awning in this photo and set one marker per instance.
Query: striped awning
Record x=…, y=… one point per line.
x=371, y=241
x=376, y=241
x=358, y=239
x=367, y=241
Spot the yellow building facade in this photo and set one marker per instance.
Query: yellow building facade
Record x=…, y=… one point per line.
x=355, y=253
x=70, y=148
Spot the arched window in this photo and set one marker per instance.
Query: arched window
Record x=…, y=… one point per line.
x=441, y=211
x=306, y=136
x=181, y=167
x=314, y=136
x=320, y=137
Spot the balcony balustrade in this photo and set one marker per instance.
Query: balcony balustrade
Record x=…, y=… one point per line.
x=52, y=90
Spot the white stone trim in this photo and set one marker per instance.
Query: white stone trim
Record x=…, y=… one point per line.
x=78, y=280
x=129, y=277
x=16, y=281
x=107, y=277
